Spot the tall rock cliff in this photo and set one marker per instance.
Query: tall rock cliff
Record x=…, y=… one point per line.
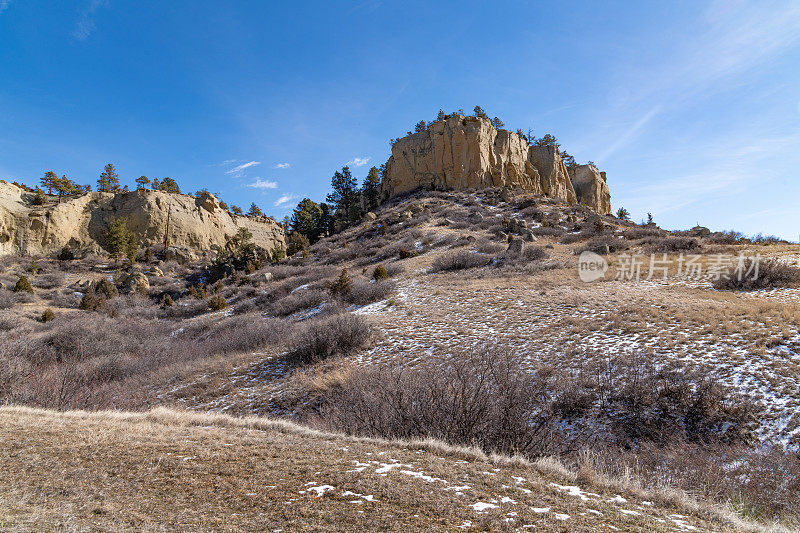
x=81, y=223
x=591, y=188
x=469, y=153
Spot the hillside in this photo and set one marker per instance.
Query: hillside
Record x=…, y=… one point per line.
x=182, y=471
x=460, y=316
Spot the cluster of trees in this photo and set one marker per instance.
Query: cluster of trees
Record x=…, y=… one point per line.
x=346, y=203
x=63, y=186
x=166, y=184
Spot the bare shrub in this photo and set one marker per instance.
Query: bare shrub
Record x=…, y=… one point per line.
x=66, y=300
x=50, y=280
x=665, y=245
x=459, y=260
x=604, y=245
x=297, y=301
x=642, y=232
x=339, y=335
x=468, y=399
x=756, y=274
x=6, y=299
x=543, y=231
x=724, y=237
x=485, y=246
x=395, y=269
x=364, y=292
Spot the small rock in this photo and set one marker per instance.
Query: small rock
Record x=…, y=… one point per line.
x=370, y=216
x=475, y=218
x=155, y=271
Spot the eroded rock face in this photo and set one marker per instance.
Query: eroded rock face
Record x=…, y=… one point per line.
x=81, y=223
x=469, y=153
x=591, y=188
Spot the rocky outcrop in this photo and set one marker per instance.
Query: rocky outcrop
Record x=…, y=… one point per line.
x=469, y=153
x=591, y=188
x=81, y=223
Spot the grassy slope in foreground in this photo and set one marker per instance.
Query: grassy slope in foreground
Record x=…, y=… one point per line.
x=182, y=471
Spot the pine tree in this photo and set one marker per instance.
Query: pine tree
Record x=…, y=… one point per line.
x=371, y=189
x=169, y=185
x=156, y=185
x=497, y=123
x=255, y=211
x=48, y=181
x=64, y=185
x=236, y=210
x=441, y=115
x=306, y=220
x=479, y=112
x=420, y=126
x=109, y=179
x=142, y=182
x=623, y=214
x=345, y=194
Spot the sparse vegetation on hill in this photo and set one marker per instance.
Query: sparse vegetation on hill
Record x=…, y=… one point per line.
x=613, y=374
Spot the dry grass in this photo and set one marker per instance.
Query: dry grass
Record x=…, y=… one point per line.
x=183, y=471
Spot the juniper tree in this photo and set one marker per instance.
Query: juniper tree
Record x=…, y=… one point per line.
x=255, y=211
x=142, y=182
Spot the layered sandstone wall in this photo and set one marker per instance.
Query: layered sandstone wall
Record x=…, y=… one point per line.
x=81, y=223
x=469, y=153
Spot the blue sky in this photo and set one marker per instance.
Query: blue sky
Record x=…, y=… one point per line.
x=693, y=108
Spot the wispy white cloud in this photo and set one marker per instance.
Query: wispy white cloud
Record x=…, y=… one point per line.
x=237, y=170
x=85, y=25
x=263, y=184
x=282, y=165
x=358, y=162
x=627, y=136
x=285, y=199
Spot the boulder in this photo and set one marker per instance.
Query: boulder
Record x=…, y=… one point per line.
x=179, y=254
x=370, y=216
x=591, y=188
x=700, y=231
x=155, y=271
x=206, y=200
x=515, y=248
x=469, y=153
x=135, y=283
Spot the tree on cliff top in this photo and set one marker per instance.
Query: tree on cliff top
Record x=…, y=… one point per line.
x=48, y=181
x=497, y=123
x=142, y=182
x=255, y=211
x=109, y=179
x=479, y=112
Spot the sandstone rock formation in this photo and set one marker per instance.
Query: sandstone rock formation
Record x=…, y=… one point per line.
x=591, y=188
x=81, y=223
x=469, y=153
